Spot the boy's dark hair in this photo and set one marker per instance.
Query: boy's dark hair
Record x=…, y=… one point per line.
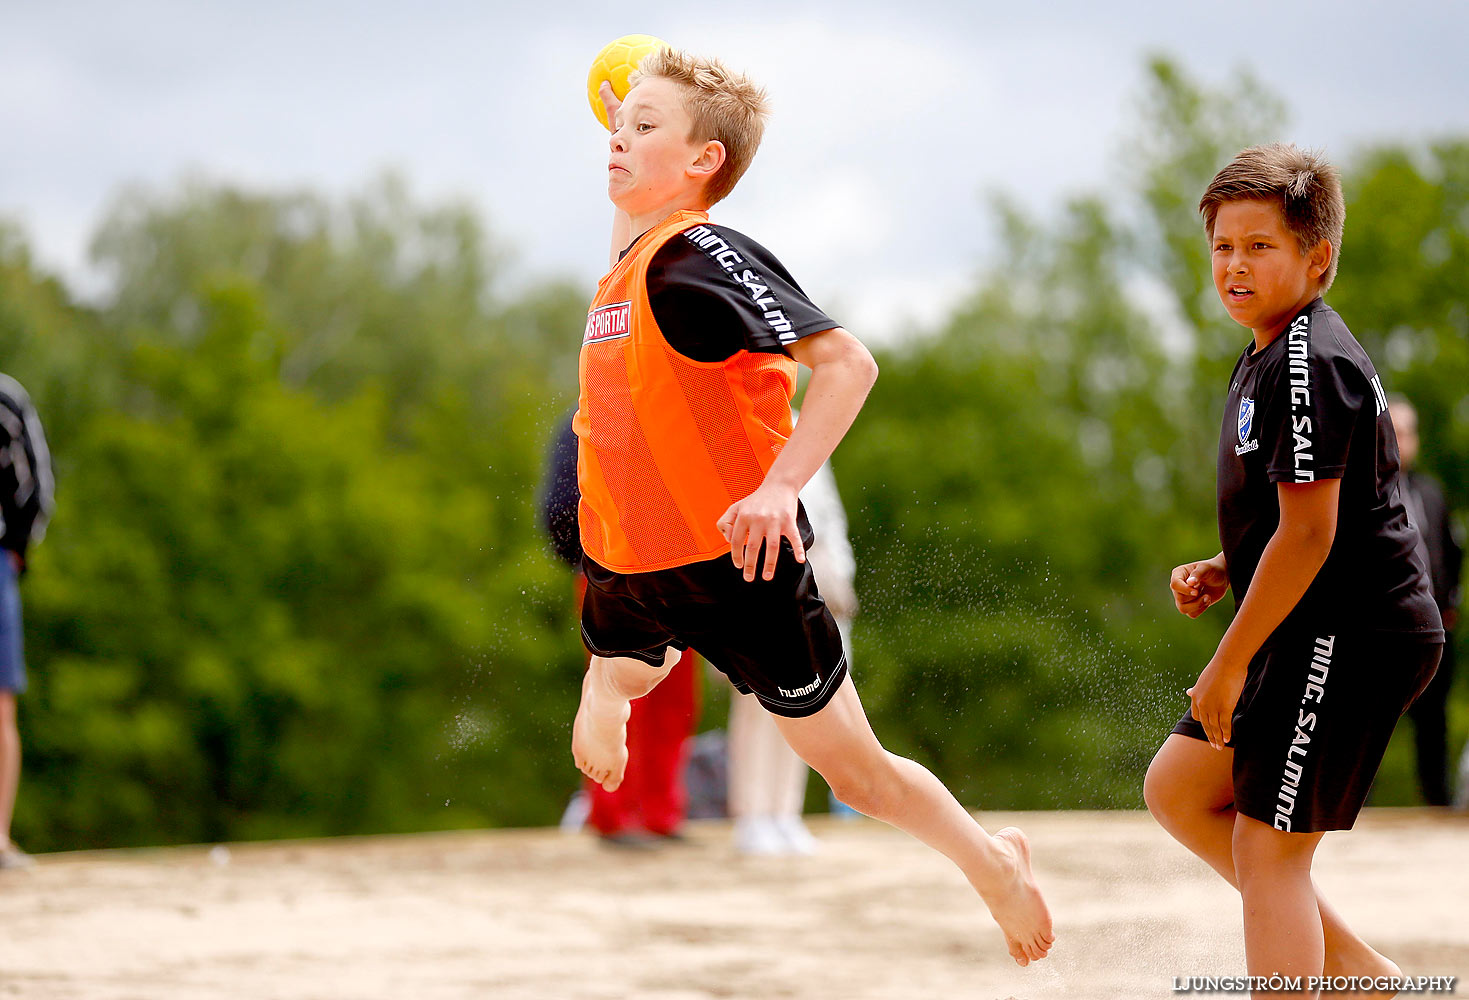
x=1305, y=186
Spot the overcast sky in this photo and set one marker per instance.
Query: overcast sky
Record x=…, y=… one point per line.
x=892, y=121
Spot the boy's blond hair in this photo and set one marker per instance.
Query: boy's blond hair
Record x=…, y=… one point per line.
x=1305, y=186
x=724, y=105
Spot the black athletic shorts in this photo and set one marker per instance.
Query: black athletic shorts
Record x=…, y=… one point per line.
x=774, y=638
x=1313, y=723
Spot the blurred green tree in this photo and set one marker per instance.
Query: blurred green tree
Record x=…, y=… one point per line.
x=1404, y=284
x=288, y=598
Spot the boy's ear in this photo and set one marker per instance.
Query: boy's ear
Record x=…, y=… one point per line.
x=1320, y=258
x=710, y=158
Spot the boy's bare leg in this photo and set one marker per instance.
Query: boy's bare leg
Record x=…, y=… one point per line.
x=599, y=734
x=1283, y=928
x=1190, y=791
x=839, y=743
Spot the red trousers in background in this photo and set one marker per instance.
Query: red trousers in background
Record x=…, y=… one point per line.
x=652, y=796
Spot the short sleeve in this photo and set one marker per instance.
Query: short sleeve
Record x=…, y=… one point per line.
x=1314, y=407
x=715, y=292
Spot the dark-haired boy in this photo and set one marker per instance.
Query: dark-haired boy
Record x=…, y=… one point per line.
x=1335, y=630
x=690, y=471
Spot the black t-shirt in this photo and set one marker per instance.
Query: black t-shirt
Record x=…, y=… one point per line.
x=1310, y=406
x=715, y=292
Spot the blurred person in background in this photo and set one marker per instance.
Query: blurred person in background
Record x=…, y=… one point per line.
x=767, y=781
x=648, y=808
x=26, y=490
x=1424, y=497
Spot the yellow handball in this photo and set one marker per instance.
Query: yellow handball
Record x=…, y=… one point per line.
x=616, y=62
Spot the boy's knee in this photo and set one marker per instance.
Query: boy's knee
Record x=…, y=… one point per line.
x=855, y=791
x=1153, y=793
x=867, y=787
x=1262, y=850
x=1160, y=792
x=630, y=678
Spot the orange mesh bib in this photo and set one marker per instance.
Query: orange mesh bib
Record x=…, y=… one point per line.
x=666, y=443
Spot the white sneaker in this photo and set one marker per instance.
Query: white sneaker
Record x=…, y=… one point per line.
x=758, y=835
x=577, y=811
x=13, y=857
x=798, y=839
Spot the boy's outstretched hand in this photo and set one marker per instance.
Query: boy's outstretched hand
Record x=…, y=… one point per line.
x=1197, y=585
x=765, y=516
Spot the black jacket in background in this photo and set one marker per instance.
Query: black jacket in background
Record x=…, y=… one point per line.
x=26, y=486
x=1445, y=557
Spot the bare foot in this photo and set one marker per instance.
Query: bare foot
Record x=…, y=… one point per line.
x=1018, y=908
x=1365, y=965
x=599, y=734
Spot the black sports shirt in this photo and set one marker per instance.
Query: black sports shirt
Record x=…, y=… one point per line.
x=1310, y=406
x=715, y=292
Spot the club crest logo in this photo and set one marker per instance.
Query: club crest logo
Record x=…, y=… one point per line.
x=1246, y=417
x=1246, y=424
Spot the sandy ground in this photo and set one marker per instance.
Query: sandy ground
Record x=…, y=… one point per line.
x=537, y=914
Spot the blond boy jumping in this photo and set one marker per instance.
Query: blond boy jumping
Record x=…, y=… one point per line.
x=689, y=471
